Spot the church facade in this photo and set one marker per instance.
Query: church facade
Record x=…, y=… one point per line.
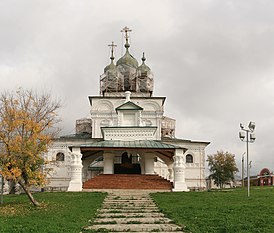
x=126, y=133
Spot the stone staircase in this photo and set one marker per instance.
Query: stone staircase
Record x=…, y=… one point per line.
x=131, y=211
x=128, y=181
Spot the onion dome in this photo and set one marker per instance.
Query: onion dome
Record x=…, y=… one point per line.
x=143, y=67
x=127, y=59
x=111, y=66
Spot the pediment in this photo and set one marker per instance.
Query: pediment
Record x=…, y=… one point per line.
x=129, y=106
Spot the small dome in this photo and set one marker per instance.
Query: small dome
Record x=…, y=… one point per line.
x=111, y=66
x=143, y=67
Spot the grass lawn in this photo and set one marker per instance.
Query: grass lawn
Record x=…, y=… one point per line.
x=225, y=211
x=60, y=212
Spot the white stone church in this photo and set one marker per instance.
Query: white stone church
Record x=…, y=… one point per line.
x=127, y=133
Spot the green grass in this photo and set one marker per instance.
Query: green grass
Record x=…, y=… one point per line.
x=60, y=212
x=222, y=212
x=201, y=212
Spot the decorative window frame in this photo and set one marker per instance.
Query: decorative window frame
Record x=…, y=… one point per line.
x=191, y=161
x=61, y=153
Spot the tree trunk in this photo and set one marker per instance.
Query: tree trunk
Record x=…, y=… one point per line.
x=33, y=201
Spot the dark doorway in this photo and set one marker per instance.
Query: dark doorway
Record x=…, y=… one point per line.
x=126, y=166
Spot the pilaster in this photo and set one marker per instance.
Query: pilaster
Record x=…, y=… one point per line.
x=179, y=171
x=75, y=184
x=149, y=163
x=108, y=163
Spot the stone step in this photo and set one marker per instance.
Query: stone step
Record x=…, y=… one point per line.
x=132, y=202
x=147, y=220
x=136, y=227
x=131, y=207
x=123, y=205
x=150, y=231
x=128, y=200
x=128, y=181
x=127, y=192
x=110, y=191
x=130, y=215
x=137, y=203
x=144, y=199
x=128, y=211
x=131, y=212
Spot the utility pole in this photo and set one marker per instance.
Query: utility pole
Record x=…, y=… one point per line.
x=243, y=170
x=250, y=137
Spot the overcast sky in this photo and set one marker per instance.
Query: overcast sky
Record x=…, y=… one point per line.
x=212, y=59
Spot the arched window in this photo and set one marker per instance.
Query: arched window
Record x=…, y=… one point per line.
x=60, y=156
x=189, y=159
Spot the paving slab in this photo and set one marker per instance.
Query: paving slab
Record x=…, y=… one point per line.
x=131, y=212
x=130, y=215
x=150, y=231
x=136, y=227
x=128, y=210
x=131, y=220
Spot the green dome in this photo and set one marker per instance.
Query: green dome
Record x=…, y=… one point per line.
x=143, y=67
x=127, y=59
x=111, y=66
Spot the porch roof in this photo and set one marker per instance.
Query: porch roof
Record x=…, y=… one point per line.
x=158, y=147
x=145, y=144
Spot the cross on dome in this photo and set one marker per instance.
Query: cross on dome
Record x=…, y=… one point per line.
x=112, y=45
x=126, y=30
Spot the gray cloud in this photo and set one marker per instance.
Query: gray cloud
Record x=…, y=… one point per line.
x=213, y=60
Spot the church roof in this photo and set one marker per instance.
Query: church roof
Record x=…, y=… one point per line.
x=179, y=140
x=131, y=144
x=77, y=136
x=129, y=106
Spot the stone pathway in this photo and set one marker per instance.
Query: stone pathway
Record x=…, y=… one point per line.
x=131, y=211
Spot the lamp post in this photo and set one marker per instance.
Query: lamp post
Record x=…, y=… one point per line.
x=249, y=137
x=243, y=170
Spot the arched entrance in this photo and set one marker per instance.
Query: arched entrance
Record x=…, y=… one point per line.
x=127, y=164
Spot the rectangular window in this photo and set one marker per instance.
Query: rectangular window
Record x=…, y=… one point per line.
x=129, y=119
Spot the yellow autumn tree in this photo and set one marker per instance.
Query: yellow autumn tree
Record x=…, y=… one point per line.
x=222, y=167
x=27, y=126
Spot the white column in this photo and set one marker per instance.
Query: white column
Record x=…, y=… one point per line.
x=142, y=162
x=170, y=173
x=108, y=163
x=149, y=163
x=75, y=184
x=179, y=171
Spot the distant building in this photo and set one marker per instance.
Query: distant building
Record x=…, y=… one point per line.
x=210, y=184
x=265, y=178
x=126, y=133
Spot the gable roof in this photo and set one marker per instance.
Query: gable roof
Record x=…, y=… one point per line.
x=129, y=106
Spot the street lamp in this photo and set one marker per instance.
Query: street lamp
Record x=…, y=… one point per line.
x=243, y=170
x=248, y=137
